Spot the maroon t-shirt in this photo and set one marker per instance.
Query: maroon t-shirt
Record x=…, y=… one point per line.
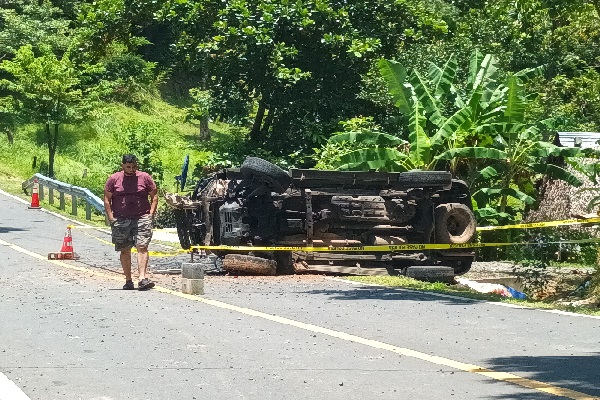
x=130, y=194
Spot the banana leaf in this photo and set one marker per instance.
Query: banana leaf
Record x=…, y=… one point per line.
x=473, y=152
x=489, y=213
x=527, y=74
x=420, y=143
x=482, y=196
x=368, y=139
x=486, y=75
x=556, y=172
x=460, y=119
x=515, y=104
x=545, y=149
x=429, y=103
x=488, y=172
x=591, y=171
x=508, y=130
x=474, y=63
x=394, y=75
x=443, y=78
x=494, y=96
x=378, y=159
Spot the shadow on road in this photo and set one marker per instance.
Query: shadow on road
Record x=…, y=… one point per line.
x=579, y=373
x=7, y=229
x=369, y=293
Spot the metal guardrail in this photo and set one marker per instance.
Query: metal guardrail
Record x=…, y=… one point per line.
x=76, y=192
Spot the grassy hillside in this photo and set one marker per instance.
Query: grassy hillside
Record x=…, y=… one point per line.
x=88, y=153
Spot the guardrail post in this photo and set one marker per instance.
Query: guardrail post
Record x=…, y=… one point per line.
x=73, y=205
x=41, y=192
x=62, y=201
x=50, y=196
x=88, y=211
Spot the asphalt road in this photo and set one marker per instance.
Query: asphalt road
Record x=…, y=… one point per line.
x=67, y=331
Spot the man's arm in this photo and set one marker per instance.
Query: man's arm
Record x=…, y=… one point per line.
x=107, y=205
x=153, y=201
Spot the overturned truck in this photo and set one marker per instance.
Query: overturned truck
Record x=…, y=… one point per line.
x=261, y=205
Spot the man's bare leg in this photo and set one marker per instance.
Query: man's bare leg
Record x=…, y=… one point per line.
x=142, y=260
x=126, y=263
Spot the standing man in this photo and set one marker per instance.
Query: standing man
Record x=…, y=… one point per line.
x=130, y=200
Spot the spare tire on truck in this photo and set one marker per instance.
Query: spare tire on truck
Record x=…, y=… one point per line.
x=276, y=178
x=454, y=223
x=249, y=265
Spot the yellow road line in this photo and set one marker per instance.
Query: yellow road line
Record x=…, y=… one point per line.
x=437, y=360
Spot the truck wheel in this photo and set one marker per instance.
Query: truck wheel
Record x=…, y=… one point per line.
x=276, y=178
x=426, y=178
x=249, y=264
x=182, y=222
x=431, y=274
x=454, y=223
x=285, y=265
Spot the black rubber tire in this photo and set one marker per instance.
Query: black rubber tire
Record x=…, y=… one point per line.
x=182, y=223
x=454, y=223
x=426, y=178
x=285, y=264
x=431, y=273
x=276, y=178
x=249, y=265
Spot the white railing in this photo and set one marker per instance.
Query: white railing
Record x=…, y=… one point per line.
x=76, y=192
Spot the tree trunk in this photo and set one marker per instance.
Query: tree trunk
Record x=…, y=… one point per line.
x=268, y=122
x=256, y=127
x=52, y=144
x=204, y=131
x=10, y=134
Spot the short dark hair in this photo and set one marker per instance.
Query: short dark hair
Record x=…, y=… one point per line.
x=129, y=159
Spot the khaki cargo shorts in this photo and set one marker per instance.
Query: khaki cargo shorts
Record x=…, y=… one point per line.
x=127, y=233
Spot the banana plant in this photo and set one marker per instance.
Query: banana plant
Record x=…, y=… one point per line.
x=485, y=139
x=513, y=163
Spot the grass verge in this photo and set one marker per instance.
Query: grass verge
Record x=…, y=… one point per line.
x=463, y=291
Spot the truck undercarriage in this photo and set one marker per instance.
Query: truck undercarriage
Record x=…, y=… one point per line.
x=261, y=205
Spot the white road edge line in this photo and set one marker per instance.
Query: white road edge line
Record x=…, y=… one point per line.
x=559, y=312
x=10, y=391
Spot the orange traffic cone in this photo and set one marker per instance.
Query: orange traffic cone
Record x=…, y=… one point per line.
x=35, y=197
x=67, y=246
x=66, y=252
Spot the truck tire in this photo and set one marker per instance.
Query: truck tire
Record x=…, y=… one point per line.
x=182, y=221
x=276, y=178
x=454, y=223
x=249, y=265
x=426, y=178
x=431, y=273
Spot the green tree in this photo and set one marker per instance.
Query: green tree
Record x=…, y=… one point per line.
x=200, y=111
x=299, y=64
x=35, y=23
x=9, y=116
x=49, y=90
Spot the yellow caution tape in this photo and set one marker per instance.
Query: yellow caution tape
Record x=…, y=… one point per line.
x=349, y=249
x=384, y=248
x=541, y=224
x=388, y=248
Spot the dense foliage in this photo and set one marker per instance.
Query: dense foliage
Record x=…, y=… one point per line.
x=479, y=85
